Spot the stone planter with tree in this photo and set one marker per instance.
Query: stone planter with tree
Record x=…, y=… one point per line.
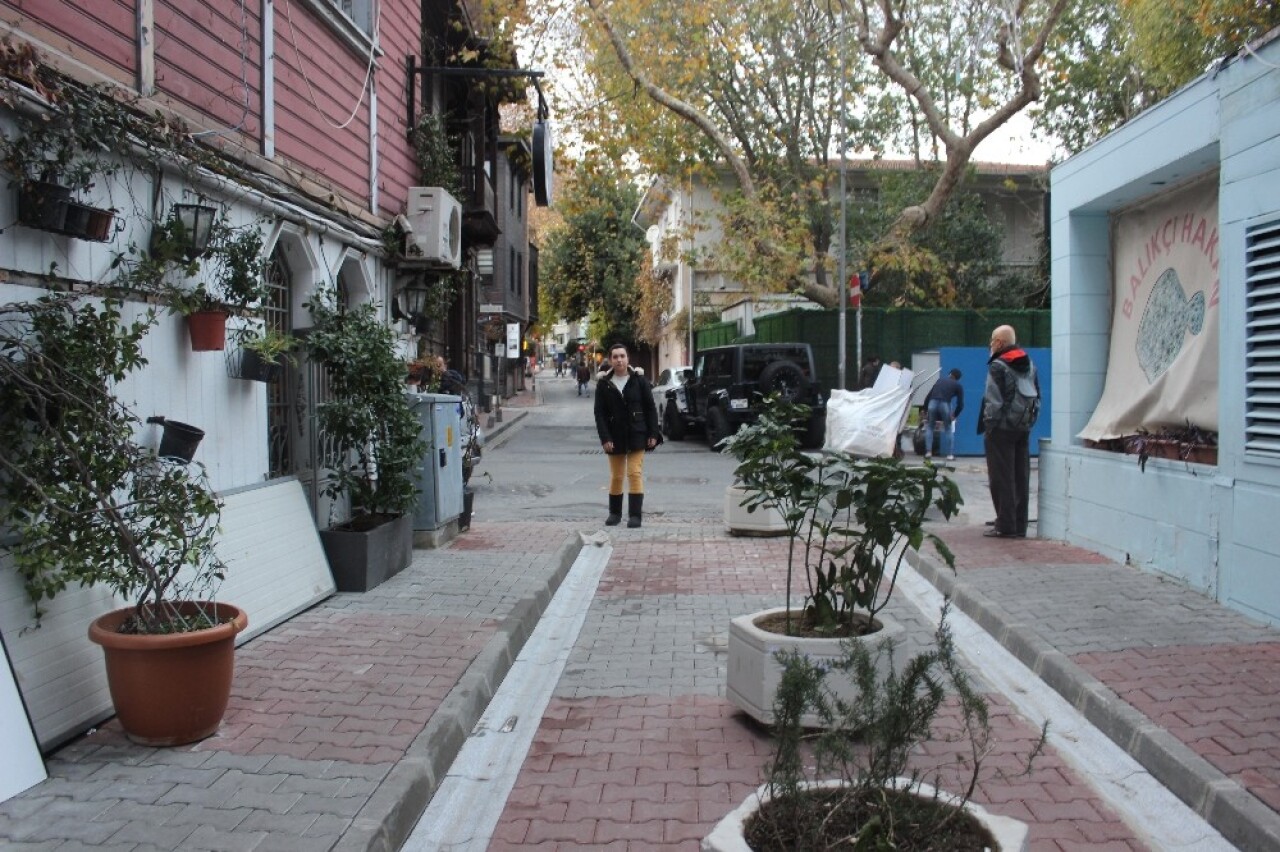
x=375, y=438
x=850, y=522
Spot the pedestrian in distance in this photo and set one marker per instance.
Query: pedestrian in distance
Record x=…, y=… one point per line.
x=943, y=404
x=871, y=369
x=583, y=376
x=1010, y=406
x=627, y=422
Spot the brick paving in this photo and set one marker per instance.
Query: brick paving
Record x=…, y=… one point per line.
x=344, y=718
x=326, y=712
x=1188, y=686
x=641, y=751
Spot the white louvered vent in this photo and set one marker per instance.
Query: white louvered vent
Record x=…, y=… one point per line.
x=1262, y=339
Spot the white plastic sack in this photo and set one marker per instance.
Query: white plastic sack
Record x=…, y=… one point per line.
x=866, y=422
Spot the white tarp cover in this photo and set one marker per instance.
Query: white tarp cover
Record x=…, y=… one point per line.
x=867, y=422
x=1163, y=366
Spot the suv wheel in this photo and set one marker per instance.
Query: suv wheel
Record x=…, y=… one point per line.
x=717, y=428
x=672, y=424
x=783, y=378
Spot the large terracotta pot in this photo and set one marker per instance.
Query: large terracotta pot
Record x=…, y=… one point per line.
x=170, y=689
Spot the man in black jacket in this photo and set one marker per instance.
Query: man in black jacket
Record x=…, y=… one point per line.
x=943, y=405
x=627, y=422
x=1005, y=423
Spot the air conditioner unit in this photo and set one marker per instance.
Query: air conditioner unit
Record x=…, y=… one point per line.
x=435, y=217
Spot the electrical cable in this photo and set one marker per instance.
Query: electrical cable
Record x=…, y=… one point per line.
x=368, y=74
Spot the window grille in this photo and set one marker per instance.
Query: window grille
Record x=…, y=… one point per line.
x=1262, y=339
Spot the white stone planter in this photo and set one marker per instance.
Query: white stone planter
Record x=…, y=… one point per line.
x=754, y=672
x=764, y=521
x=727, y=836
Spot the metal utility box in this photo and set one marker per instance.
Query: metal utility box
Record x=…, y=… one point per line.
x=439, y=477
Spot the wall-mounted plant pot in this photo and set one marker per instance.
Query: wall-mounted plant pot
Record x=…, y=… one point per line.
x=76, y=221
x=178, y=440
x=208, y=330
x=42, y=204
x=249, y=364
x=99, y=227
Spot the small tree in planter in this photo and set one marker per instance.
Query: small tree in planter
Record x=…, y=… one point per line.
x=850, y=783
x=375, y=436
x=90, y=506
x=850, y=522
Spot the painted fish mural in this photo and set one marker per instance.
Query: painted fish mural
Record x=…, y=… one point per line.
x=1167, y=318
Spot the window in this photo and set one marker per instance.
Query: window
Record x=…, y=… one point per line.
x=359, y=11
x=511, y=278
x=1262, y=339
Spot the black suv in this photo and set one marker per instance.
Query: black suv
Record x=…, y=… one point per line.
x=729, y=383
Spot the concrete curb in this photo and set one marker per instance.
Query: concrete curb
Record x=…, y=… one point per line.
x=1231, y=809
x=387, y=820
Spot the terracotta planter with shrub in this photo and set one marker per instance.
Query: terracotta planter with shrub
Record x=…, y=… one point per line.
x=170, y=689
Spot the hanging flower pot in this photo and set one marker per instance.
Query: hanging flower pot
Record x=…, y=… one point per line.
x=249, y=364
x=43, y=204
x=208, y=330
x=76, y=221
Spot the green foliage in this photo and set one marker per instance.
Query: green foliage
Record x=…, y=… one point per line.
x=866, y=741
x=592, y=261
x=437, y=153
x=1113, y=60
x=270, y=344
x=71, y=144
x=851, y=521
x=367, y=415
x=88, y=504
x=231, y=271
x=953, y=262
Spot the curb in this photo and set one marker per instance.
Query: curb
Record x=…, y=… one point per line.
x=389, y=817
x=1237, y=814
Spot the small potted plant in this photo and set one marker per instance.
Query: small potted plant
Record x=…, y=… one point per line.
x=851, y=522
x=88, y=505
x=851, y=784
x=261, y=354
x=375, y=437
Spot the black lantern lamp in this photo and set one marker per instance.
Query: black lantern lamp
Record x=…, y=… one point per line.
x=196, y=221
x=415, y=293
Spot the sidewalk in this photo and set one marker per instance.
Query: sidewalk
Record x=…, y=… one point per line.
x=344, y=720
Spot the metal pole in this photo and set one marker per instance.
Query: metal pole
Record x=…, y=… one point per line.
x=842, y=264
x=688, y=268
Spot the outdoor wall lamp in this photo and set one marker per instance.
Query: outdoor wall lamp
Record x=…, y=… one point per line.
x=196, y=227
x=415, y=292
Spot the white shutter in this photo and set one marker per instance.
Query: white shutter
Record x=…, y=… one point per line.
x=1262, y=339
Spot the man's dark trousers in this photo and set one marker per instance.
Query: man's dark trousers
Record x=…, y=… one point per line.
x=1009, y=476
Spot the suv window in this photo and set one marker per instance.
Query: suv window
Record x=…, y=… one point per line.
x=755, y=360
